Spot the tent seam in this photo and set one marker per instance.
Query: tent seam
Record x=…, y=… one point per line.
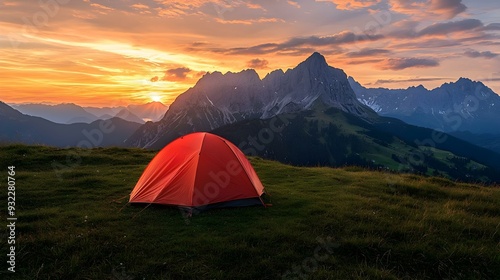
x=241, y=164
x=196, y=169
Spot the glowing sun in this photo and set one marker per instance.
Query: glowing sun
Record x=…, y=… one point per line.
x=155, y=97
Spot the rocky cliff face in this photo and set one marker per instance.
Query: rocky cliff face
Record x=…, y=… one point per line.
x=218, y=99
x=312, y=80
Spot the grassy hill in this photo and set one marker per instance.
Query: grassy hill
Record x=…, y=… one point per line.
x=345, y=223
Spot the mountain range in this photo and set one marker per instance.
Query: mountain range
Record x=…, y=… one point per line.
x=310, y=115
x=464, y=105
x=465, y=109
x=21, y=128
x=68, y=113
x=219, y=99
x=314, y=115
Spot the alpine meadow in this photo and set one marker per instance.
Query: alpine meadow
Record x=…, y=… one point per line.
x=344, y=223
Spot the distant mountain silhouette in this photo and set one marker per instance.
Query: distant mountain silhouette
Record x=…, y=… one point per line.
x=61, y=113
x=68, y=113
x=464, y=105
x=152, y=111
x=21, y=128
x=104, y=112
x=129, y=116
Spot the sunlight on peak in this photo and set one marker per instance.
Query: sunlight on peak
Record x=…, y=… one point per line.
x=155, y=97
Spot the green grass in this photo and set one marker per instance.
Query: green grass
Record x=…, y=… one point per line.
x=370, y=225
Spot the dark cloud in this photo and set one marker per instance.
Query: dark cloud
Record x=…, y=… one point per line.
x=176, y=74
x=424, y=8
x=367, y=52
x=492, y=26
x=332, y=40
x=305, y=51
x=391, y=81
x=305, y=45
x=154, y=79
x=258, y=63
x=476, y=54
x=426, y=44
x=473, y=26
x=450, y=27
x=257, y=49
x=302, y=45
x=403, y=63
x=365, y=61
x=199, y=43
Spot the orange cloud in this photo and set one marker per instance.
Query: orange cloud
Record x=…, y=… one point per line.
x=293, y=3
x=254, y=6
x=95, y=5
x=352, y=4
x=258, y=63
x=140, y=6
x=10, y=3
x=249, y=21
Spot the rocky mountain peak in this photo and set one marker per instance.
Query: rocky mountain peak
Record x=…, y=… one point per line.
x=419, y=88
x=274, y=75
x=462, y=80
x=247, y=74
x=219, y=99
x=314, y=64
x=316, y=59
x=463, y=86
x=209, y=78
x=214, y=80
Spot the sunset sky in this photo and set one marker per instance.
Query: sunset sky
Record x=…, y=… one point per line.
x=111, y=52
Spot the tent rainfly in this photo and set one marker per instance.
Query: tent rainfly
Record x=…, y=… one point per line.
x=199, y=170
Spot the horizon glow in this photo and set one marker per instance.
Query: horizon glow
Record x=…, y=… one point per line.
x=114, y=53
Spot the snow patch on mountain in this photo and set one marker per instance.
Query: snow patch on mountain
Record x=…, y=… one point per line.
x=464, y=105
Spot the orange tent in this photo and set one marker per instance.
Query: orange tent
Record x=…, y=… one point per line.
x=197, y=170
